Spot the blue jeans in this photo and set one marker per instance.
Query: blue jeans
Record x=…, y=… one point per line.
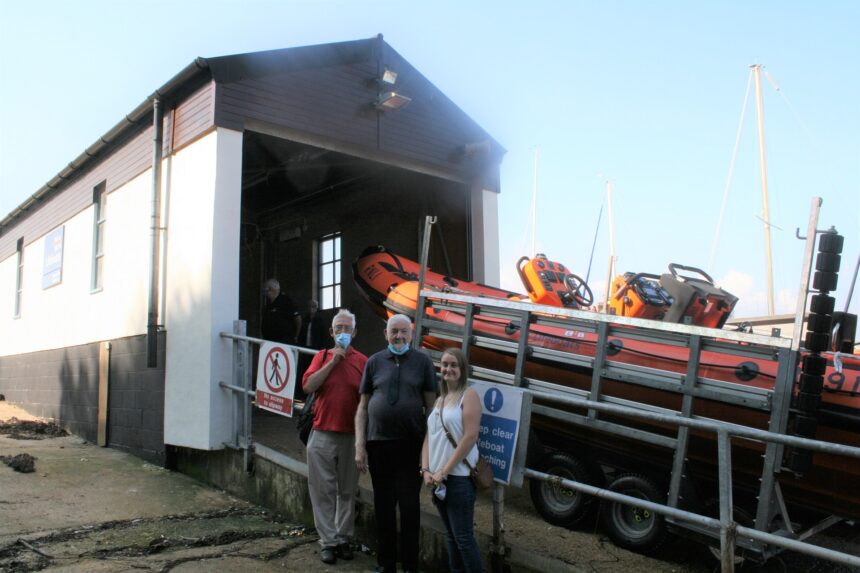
x=458, y=514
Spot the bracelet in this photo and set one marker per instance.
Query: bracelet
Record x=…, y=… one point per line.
x=422, y=471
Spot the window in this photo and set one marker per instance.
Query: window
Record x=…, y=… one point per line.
x=99, y=208
x=328, y=271
x=19, y=277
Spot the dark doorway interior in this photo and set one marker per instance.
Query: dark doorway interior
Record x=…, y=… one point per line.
x=295, y=195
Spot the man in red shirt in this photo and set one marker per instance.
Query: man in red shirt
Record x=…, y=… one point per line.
x=335, y=375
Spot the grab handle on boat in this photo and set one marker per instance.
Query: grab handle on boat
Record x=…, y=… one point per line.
x=674, y=266
x=524, y=259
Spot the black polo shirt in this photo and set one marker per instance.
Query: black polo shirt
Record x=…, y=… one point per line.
x=405, y=418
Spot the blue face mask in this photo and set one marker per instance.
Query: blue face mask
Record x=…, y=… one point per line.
x=343, y=339
x=401, y=352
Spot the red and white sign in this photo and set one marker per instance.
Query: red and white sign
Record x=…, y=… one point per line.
x=276, y=378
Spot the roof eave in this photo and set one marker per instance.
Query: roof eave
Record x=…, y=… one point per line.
x=173, y=85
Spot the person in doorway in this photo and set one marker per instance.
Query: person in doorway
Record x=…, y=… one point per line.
x=313, y=331
x=335, y=376
x=312, y=335
x=281, y=321
x=456, y=417
x=397, y=388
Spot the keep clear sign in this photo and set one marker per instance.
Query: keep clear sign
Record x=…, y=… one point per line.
x=503, y=437
x=276, y=378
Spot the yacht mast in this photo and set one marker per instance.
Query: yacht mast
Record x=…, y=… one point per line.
x=756, y=69
x=534, y=203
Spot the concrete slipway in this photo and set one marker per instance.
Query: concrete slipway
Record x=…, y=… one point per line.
x=91, y=509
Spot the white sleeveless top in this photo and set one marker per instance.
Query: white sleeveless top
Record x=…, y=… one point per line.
x=440, y=447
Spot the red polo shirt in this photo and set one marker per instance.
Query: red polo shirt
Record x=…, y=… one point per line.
x=337, y=398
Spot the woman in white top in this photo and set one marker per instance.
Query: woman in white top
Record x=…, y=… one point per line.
x=458, y=410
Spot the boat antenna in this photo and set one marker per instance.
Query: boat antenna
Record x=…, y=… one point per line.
x=594, y=243
x=756, y=69
x=534, y=202
x=730, y=176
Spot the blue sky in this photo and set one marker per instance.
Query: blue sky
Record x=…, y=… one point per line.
x=648, y=94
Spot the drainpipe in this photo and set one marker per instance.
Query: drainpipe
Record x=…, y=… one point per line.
x=155, y=210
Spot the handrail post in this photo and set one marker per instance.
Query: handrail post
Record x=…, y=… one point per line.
x=727, y=523
x=429, y=221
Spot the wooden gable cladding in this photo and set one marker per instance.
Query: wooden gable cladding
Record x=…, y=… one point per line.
x=431, y=128
x=334, y=102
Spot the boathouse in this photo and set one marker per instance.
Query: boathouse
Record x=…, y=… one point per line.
x=117, y=276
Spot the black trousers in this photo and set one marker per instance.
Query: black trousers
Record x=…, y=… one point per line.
x=394, y=466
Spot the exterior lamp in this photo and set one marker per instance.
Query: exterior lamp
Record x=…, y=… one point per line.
x=392, y=101
x=389, y=77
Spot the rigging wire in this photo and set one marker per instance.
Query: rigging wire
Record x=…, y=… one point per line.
x=731, y=174
x=594, y=243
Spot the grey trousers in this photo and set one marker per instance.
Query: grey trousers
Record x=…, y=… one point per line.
x=333, y=485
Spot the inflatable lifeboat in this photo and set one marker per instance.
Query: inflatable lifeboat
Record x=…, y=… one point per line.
x=390, y=285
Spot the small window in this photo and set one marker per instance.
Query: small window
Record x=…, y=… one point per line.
x=19, y=276
x=99, y=212
x=328, y=271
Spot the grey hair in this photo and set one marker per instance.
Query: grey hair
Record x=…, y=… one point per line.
x=273, y=283
x=347, y=314
x=398, y=318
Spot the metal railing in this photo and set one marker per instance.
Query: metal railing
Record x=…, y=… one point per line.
x=775, y=402
x=243, y=386
x=728, y=529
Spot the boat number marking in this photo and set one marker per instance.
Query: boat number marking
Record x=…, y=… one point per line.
x=836, y=383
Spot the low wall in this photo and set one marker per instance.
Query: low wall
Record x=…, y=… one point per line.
x=280, y=483
x=63, y=385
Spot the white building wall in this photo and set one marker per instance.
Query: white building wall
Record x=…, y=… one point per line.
x=202, y=288
x=69, y=314
x=490, y=228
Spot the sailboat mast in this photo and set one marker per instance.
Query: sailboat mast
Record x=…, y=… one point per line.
x=610, y=271
x=756, y=68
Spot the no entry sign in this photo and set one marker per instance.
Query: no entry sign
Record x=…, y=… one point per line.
x=276, y=378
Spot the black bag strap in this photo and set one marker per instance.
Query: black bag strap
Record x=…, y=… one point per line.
x=309, y=401
x=448, y=434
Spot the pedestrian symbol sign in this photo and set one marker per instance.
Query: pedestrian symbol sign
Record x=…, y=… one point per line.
x=276, y=378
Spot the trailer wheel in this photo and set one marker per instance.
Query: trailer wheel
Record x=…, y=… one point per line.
x=630, y=527
x=559, y=505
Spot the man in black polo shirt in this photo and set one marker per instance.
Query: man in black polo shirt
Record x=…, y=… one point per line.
x=397, y=388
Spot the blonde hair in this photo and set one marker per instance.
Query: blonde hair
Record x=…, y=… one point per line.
x=464, y=370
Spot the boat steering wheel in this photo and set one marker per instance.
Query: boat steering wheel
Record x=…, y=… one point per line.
x=579, y=290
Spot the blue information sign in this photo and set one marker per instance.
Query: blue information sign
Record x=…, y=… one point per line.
x=500, y=426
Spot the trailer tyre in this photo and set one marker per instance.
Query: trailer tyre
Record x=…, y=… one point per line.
x=635, y=528
x=559, y=505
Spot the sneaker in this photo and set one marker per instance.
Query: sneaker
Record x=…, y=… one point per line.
x=327, y=555
x=344, y=551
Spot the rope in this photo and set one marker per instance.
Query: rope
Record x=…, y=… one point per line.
x=731, y=174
